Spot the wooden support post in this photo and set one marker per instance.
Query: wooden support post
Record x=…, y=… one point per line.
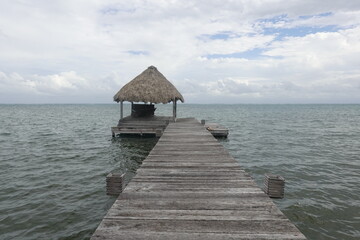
x=174, y=110
x=132, y=111
x=121, y=110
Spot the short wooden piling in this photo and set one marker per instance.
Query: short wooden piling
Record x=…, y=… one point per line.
x=115, y=183
x=274, y=186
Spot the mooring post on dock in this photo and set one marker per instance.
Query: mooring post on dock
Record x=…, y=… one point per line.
x=203, y=121
x=115, y=183
x=274, y=186
x=158, y=133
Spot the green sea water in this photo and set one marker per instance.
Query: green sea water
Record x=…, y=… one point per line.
x=54, y=160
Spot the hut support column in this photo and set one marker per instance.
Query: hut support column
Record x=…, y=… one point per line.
x=132, y=109
x=174, y=110
x=121, y=110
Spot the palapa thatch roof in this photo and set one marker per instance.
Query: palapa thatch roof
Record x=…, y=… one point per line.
x=150, y=86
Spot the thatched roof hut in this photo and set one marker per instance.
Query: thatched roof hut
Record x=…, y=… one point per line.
x=149, y=87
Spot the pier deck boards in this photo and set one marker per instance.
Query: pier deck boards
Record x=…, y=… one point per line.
x=217, y=130
x=153, y=125
x=189, y=187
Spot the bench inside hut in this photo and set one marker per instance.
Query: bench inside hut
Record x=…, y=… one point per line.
x=142, y=110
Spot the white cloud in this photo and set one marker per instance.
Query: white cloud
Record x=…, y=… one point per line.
x=55, y=88
x=90, y=49
x=234, y=45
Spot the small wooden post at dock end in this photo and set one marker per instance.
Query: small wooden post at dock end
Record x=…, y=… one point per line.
x=115, y=182
x=158, y=133
x=203, y=121
x=274, y=186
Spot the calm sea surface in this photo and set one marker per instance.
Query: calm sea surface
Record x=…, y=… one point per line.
x=54, y=160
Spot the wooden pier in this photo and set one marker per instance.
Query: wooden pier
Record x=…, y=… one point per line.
x=189, y=187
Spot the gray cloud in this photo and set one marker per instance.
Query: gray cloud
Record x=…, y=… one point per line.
x=86, y=50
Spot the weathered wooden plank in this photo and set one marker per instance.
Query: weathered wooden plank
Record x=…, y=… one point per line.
x=186, y=173
x=182, y=164
x=186, y=180
x=187, y=158
x=187, y=186
x=203, y=175
x=197, y=144
x=205, y=158
x=240, y=197
x=189, y=147
x=186, y=170
x=210, y=226
x=191, y=169
x=254, y=203
x=180, y=179
x=193, y=153
x=187, y=139
x=189, y=181
x=113, y=234
x=191, y=188
x=195, y=214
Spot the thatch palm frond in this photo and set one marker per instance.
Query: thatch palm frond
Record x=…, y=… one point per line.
x=150, y=86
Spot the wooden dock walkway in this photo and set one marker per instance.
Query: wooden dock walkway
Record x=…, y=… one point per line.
x=189, y=187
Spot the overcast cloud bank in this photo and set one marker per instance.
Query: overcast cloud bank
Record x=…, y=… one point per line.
x=249, y=51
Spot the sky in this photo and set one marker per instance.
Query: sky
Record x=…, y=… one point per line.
x=213, y=51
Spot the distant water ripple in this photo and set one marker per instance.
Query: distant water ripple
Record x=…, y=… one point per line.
x=54, y=160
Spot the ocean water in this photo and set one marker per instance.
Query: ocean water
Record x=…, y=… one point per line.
x=54, y=160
